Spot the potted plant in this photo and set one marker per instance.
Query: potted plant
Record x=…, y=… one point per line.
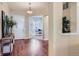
x=10, y=23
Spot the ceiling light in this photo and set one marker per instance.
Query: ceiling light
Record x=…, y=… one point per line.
x=30, y=9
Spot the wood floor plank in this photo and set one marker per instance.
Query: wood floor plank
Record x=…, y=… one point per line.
x=30, y=47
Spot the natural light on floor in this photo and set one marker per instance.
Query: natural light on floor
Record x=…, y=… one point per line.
x=34, y=46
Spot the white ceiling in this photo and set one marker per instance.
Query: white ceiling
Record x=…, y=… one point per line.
x=25, y=5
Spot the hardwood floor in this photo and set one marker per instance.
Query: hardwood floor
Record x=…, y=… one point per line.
x=30, y=47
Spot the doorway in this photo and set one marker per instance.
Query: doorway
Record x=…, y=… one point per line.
x=36, y=27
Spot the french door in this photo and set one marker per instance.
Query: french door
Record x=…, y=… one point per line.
x=36, y=27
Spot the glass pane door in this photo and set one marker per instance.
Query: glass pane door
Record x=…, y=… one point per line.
x=36, y=27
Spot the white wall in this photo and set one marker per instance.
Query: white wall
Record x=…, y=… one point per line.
x=51, y=33
x=57, y=42
x=73, y=16
x=61, y=44
x=46, y=27
x=19, y=27
x=26, y=27
x=74, y=39
x=77, y=17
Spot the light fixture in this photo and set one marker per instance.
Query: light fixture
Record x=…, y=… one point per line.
x=30, y=9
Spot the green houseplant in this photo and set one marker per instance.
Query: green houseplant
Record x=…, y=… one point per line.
x=9, y=23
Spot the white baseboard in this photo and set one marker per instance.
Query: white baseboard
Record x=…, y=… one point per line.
x=22, y=38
